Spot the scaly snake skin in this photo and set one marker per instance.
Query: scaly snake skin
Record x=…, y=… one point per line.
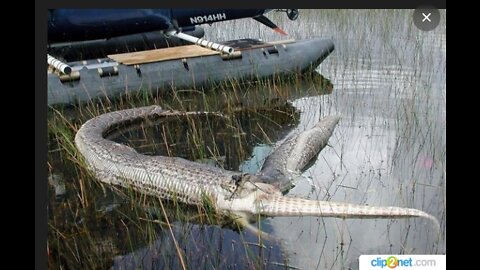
x=174, y=178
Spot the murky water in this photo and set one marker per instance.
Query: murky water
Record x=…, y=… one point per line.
x=385, y=78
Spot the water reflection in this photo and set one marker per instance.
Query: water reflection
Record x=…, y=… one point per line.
x=388, y=149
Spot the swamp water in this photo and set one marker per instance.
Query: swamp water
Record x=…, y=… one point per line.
x=386, y=79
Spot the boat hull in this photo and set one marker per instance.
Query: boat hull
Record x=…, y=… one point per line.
x=109, y=78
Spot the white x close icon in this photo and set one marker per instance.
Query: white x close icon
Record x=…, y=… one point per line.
x=426, y=17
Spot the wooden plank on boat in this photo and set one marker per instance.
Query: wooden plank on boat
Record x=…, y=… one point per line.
x=188, y=51
x=159, y=55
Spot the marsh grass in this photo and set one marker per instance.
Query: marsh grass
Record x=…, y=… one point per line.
x=389, y=149
x=93, y=223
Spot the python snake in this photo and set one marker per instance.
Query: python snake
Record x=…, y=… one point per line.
x=230, y=192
